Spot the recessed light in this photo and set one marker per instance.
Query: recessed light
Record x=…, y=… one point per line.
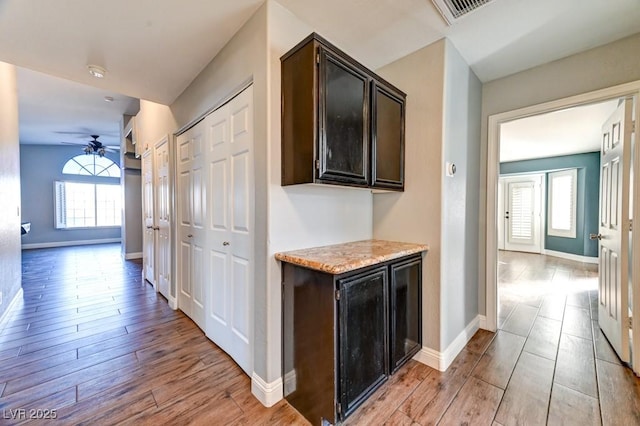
x=108, y=98
x=96, y=71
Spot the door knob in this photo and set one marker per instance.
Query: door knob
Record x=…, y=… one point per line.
x=190, y=235
x=226, y=243
x=595, y=236
x=156, y=228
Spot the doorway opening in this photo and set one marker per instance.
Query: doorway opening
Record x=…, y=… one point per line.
x=583, y=296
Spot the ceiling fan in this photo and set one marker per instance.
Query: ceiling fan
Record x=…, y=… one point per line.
x=94, y=146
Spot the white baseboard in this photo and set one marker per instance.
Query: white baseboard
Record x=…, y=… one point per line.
x=130, y=256
x=267, y=393
x=173, y=303
x=570, y=256
x=16, y=299
x=69, y=243
x=482, y=322
x=442, y=360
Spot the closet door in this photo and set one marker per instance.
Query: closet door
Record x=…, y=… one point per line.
x=163, y=217
x=230, y=228
x=148, y=217
x=192, y=198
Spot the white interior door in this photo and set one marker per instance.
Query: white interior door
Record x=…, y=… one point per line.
x=163, y=218
x=191, y=224
x=522, y=214
x=613, y=308
x=148, y=208
x=230, y=315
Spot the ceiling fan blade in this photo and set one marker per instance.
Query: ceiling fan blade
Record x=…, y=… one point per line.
x=74, y=143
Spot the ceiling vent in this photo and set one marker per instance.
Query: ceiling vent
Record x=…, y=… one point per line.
x=452, y=10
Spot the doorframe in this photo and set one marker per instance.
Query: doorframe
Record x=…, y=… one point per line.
x=493, y=160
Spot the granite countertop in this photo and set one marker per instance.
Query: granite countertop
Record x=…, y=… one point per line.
x=341, y=258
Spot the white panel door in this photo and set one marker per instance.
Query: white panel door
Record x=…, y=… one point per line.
x=148, y=217
x=163, y=218
x=613, y=307
x=522, y=217
x=231, y=218
x=192, y=198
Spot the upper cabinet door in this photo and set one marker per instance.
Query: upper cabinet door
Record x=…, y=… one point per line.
x=387, y=130
x=344, y=124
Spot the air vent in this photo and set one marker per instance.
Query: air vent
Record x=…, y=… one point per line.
x=452, y=10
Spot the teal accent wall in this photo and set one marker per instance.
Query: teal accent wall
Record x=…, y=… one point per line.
x=588, y=193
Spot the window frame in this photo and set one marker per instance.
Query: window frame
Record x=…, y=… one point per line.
x=563, y=233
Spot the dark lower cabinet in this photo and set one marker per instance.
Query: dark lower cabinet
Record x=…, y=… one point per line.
x=363, y=336
x=344, y=335
x=405, y=327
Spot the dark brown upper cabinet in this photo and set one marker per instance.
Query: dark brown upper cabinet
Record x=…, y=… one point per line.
x=341, y=123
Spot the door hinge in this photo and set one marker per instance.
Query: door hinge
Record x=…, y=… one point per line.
x=630, y=323
x=317, y=58
x=318, y=164
x=633, y=126
x=337, y=294
x=630, y=225
x=338, y=408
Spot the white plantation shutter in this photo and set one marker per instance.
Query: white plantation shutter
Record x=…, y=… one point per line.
x=562, y=203
x=60, y=201
x=521, y=205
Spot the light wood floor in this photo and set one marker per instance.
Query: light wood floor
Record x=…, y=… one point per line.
x=96, y=344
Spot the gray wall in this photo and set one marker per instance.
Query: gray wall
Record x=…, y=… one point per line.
x=609, y=65
x=10, y=254
x=415, y=214
x=131, y=181
x=442, y=124
x=588, y=194
x=40, y=166
x=460, y=201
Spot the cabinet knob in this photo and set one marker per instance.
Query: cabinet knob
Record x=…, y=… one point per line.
x=226, y=243
x=190, y=236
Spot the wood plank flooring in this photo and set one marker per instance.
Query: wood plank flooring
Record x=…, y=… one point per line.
x=95, y=343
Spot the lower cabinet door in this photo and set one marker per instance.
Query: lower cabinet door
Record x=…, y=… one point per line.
x=363, y=349
x=405, y=313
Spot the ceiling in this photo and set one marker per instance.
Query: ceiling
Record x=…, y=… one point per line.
x=153, y=49
x=569, y=131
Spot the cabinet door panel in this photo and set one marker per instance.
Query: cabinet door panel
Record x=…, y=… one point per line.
x=406, y=334
x=388, y=138
x=363, y=341
x=344, y=123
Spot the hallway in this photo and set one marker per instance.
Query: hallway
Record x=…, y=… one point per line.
x=93, y=344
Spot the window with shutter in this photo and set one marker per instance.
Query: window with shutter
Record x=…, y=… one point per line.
x=562, y=203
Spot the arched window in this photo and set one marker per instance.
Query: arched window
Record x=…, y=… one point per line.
x=87, y=204
x=91, y=165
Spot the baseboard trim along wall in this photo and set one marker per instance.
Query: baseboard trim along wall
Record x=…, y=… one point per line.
x=570, y=256
x=442, y=360
x=69, y=243
x=16, y=299
x=267, y=393
x=130, y=256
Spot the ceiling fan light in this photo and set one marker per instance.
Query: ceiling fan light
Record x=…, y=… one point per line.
x=97, y=71
x=87, y=149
